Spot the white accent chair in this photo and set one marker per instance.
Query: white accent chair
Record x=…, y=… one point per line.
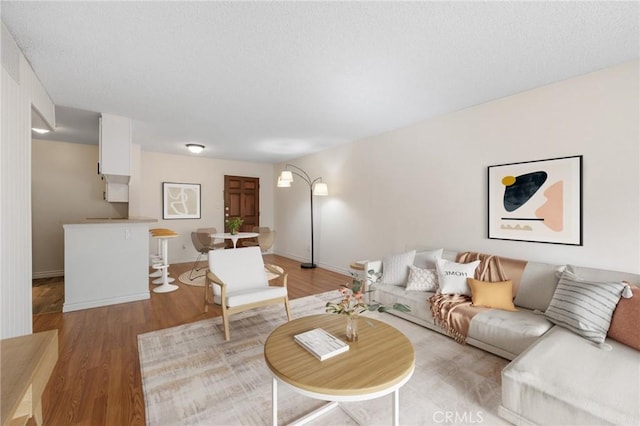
x=237, y=281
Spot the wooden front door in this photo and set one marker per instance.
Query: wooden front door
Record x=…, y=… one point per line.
x=242, y=199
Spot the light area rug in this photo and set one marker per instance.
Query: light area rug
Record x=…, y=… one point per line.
x=197, y=280
x=191, y=376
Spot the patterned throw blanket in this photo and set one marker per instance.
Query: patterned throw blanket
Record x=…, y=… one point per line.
x=453, y=312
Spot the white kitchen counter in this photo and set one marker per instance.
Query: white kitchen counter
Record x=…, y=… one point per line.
x=106, y=262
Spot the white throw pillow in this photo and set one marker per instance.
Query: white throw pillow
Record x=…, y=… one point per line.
x=452, y=276
x=422, y=279
x=427, y=259
x=395, y=268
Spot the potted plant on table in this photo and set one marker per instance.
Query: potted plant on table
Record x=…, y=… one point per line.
x=353, y=303
x=234, y=223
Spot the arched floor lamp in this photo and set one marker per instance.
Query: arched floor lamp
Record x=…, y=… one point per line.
x=316, y=187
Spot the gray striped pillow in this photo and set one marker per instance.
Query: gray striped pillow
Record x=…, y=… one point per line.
x=584, y=307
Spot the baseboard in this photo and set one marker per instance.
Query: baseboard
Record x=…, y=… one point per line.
x=320, y=264
x=70, y=307
x=47, y=274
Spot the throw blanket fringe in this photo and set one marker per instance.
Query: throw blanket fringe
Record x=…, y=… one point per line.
x=442, y=308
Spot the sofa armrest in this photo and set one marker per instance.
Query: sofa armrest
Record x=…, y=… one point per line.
x=373, y=265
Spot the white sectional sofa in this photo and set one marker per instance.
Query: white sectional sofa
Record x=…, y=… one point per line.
x=556, y=377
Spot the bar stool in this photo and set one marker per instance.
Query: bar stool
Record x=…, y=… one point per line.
x=157, y=258
x=163, y=236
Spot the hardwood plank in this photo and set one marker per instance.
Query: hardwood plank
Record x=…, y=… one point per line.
x=97, y=379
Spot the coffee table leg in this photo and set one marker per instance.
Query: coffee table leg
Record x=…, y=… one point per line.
x=396, y=407
x=274, y=401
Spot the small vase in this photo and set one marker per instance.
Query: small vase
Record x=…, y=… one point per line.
x=234, y=232
x=352, y=328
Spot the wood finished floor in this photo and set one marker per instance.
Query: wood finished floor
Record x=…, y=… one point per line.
x=97, y=378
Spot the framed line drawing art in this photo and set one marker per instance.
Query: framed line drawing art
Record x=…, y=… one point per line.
x=180, y=200
x=536, y=201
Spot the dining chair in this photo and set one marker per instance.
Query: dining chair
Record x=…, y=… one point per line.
x=265, y=239
x=203, y=243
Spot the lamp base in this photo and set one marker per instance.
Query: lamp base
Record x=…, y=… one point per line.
x=307, y=265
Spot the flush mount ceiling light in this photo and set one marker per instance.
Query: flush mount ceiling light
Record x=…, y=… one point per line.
x=40, y=131
x=195, y=148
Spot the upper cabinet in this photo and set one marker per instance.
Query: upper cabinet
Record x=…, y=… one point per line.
x=115, y=148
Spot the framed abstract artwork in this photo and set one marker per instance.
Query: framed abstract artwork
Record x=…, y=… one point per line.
x=536, y=201
x=180, y=200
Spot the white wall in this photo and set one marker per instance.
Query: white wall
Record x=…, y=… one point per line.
x=20, y=90
x=426, y=185
x=209, y=173
x=65, y=189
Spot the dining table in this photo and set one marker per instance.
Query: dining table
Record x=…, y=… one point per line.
x=235, y=237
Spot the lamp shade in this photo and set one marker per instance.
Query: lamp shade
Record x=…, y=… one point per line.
x=286, y=176
x=321, y=189
x=283, y=183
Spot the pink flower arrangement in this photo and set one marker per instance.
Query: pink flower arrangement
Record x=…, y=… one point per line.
x=353, y=300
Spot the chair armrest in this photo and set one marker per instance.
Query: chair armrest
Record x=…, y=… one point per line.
x=213, y=278
x=279, y=271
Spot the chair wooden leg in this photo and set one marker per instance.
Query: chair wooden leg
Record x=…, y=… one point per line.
x=225, y=322
x=206, y=301
x=286, y=307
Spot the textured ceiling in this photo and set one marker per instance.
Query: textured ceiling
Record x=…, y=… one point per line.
x=271, y=81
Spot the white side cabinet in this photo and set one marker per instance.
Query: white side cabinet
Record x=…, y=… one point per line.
x=105, y=263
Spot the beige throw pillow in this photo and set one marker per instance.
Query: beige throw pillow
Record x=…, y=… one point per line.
x=497, y=295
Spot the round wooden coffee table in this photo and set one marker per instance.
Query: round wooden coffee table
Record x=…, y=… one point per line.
x=379, y=363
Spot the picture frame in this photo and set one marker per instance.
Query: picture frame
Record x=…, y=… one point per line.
x=536, y=201
x=180, y=200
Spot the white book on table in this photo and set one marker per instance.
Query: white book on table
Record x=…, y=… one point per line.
x=321, y=344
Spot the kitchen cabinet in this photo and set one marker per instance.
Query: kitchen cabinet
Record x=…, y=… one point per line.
x=115, y=148
x=114, y=163
x=116, y=192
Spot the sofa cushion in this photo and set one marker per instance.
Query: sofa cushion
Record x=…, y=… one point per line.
x=537, y=285
x=422, y=279
x=563, y=379
x=417, y=301
x=427, y=259
x=511, y=332
x=625, y=322
x=583, y=306
x=252, y=295
x=452, y=276
x=395, y=268
x=497, y=295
